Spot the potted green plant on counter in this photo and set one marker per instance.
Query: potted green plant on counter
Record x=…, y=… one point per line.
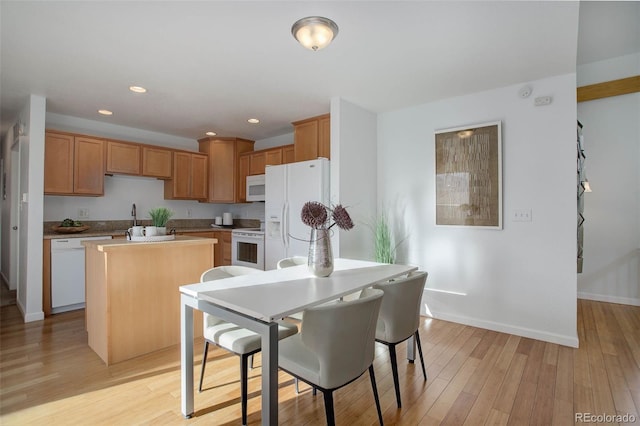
x=159, y=218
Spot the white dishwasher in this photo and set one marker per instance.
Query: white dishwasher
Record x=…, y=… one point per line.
x=67, y=273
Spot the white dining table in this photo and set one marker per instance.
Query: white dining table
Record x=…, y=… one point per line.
x=257, y=301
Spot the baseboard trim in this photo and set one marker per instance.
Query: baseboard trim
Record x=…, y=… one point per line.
x=29, y=317
x=609, y=299
x=571, y=341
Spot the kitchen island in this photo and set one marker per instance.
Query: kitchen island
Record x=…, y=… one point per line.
x=132, y=293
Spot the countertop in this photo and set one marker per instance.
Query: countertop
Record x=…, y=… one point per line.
x=118, y=228
x=107, y=245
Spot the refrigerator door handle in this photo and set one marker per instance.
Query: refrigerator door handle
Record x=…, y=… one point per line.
x=284, y=231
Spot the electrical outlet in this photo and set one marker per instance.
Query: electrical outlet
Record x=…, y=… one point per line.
x=83, y=213
x=521, y=215
x=542, y=100
x=189, y=213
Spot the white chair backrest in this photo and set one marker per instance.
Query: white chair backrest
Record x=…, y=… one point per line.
x=342, y=334
x=218, y=273
x=292, y=261
x=400, y=310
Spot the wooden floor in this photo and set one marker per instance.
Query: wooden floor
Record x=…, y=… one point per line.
x=49, y=376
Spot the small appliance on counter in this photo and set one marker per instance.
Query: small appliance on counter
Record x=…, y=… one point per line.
x=227, y=219
x=217, y=220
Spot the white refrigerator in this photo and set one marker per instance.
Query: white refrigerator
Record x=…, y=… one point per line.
x=287, y=188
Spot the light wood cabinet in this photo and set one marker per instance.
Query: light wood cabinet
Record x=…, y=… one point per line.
x=156, y=162
x=224, y=177
x=189, y=181
x=123, y=158
x=272, y=157
x=288, y=154
x=222, y=249
x=243, y=172
x=73, y=165
x=311, y=138
x=256, y=163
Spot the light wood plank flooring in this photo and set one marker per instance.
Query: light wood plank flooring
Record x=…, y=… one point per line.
x=48, y=375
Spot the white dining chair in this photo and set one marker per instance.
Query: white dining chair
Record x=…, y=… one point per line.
x=335, y=347
x=399, y=318
x=291, y=261
x=231, y=337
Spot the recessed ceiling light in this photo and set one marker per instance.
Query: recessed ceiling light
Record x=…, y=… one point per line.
x=253, y=120
x=105, y=112
x=210, y=133
x=138, y=89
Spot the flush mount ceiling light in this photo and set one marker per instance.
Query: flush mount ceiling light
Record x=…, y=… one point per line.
x=137, y=89
x=211, y=133
x=105, y=112
x=314, y=32
x=253, y=120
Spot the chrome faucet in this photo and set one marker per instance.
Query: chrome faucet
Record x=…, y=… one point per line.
x=133, y=213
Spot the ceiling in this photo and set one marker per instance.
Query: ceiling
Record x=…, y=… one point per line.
x=211, y=65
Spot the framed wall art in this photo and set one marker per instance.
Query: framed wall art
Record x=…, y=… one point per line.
x=469, y=176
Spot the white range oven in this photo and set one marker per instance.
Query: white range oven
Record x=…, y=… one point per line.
x=247, y=248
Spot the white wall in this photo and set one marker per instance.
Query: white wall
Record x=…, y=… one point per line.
x=521, y=279
x=286, y=139
x=353, y=176
x=612, y=211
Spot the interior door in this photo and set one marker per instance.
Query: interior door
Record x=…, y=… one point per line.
x=14, y=217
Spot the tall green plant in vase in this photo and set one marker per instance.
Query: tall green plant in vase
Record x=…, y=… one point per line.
x=384, y=242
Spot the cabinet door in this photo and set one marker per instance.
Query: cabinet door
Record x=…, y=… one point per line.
x=199, y=176
x=305, y=137
x=288, y=154
x=222, y=174
x=156, y=162
x=324, y=137
x=88, y=166
x=58, y=163
x=256, y=163
x=273, y=157
x=226, y=247
x=123, y=158
x=243, y=172
x=181, y=174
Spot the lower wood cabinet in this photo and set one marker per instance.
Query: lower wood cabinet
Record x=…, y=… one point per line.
x=222, y=250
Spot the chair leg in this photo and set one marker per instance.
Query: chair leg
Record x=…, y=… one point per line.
x=372, y=376
x=394, y=371
x=424, y=371
x=295, y=381
x=243, y=386
x=204, y=363
x=328, y=407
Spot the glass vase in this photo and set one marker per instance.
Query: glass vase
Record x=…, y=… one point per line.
x=320, y=255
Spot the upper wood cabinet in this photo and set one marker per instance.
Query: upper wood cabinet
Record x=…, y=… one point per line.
x=224, y=175
x=256, y=163
x=156, y=162
x=123, y=158
x=189, y=181
x=243, y=172
x=288, y=154
x=311, y=138
x=73, y=164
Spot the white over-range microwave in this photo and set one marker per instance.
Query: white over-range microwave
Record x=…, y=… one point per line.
x=255, y=188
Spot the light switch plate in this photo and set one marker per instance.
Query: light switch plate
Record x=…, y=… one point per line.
x=521, y=215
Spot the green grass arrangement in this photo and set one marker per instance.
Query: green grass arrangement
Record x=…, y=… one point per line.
x=160, y=216
x=385, y=250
